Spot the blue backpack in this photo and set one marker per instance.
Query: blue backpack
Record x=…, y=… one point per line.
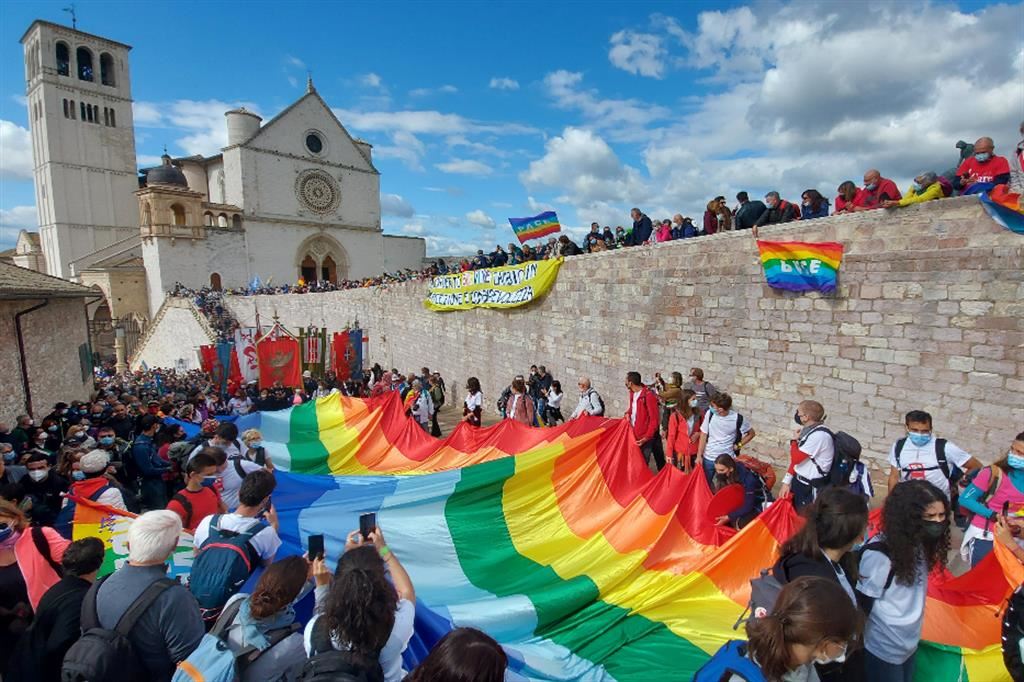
x=730, y=660
x=214, y=660
x=222, y=565
x=66, y=516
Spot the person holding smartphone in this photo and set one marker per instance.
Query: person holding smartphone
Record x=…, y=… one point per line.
x=997, y=487
x=359, y=610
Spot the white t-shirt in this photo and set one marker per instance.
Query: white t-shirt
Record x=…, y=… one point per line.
x=232, y=482
x=231, y=450
x=923, y=463
x=266, y=542
x=893, y=628
x=635, y=397
x=818, y=445
x=555, y=400
x=474, y=400
x=721, y=433
x=398, y=640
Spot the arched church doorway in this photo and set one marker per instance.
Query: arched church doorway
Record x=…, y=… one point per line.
x=101, y=332
x=321, y=259
x=215, y=281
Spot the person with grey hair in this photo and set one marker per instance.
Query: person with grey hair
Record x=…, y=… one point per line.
x=170, y=628
x=422, y=407
x=926, y=187
x=590, y=401
x=779, y=210
x=1017, y=171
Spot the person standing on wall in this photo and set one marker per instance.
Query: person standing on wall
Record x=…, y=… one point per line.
x=643, y=417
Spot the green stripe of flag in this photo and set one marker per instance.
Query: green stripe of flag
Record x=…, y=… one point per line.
x=308, y=454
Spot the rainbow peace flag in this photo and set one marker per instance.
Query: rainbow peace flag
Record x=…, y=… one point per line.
x=1004, y=207
x=801, y=266
x=562, y=545
x=538, y=226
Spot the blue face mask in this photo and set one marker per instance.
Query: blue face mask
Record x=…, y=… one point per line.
x=8, y=457
x=872, y=187
x=982, y=157
x=920, y=439
x=107, y=440
x=78, y=475
x=209, y=481
x=256, y=444
x=1014, y=460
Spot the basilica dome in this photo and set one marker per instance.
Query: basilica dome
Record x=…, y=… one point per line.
x=166, y=174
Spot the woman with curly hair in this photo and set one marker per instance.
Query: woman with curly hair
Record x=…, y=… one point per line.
x=361, y=612
x=894, y=568
x=463, y=654
x=812, y=622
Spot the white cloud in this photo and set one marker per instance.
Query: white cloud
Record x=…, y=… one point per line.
x=20, y=100
x=425, y=122
x=426, y=92
x=440, y=245
x=504, y=84
x=294, y=62
x=13, y=221
x=396, y=205
x=372, y=80
x=405, y=147
x=199, y=124
x=415, y=229
x=147, y=160
x=454, y=141
x=638, y=53
x=480, y=219
x=625, y=119
x=465, y=167
x=15, y=152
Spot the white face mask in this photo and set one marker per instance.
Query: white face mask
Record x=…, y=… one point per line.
x=38, y=475
x=836, y=659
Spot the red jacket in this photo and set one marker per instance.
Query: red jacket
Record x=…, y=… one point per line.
x=646, y=425
x=679, y=442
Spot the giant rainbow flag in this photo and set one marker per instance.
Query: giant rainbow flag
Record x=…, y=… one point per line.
x=562, y=545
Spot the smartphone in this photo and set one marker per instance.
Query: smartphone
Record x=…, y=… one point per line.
x=367, y=524
x=1006, y=509
x=316, y=547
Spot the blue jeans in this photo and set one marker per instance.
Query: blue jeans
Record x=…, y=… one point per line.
x=877, y=670
x=979, y=550
x=709, y=471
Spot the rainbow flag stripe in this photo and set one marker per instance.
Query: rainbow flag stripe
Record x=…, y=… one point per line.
x=538, y=226
x=801, y=266
x=561, y=544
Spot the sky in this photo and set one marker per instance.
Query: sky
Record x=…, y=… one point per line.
x=481, y=111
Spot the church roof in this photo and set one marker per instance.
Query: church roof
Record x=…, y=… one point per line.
x=18, y=282
x=72, y=30
x=166, y=174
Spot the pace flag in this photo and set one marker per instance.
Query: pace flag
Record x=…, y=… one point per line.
x=801, y=266
x=1004, y=207
x=538, y=226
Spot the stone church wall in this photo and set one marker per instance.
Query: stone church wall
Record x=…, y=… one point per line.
x=929, y=315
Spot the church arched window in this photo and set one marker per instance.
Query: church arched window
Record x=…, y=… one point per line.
x=84, y=57
x=222, y=220
x=178, y=213
x=63, y=59
x=107, y=69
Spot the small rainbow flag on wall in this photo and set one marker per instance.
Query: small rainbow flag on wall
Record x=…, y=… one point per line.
x=801, y=266
x=538, y=226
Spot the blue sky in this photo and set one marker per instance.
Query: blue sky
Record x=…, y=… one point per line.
x=481, y=110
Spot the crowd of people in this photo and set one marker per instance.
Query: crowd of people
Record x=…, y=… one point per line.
x=847, y=602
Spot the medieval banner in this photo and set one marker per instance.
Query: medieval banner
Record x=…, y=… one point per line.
x=245, y=347
x=504, y=287
x=279, y=360
x=347, y=354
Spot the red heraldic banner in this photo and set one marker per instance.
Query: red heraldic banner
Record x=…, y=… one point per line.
x=280, y=360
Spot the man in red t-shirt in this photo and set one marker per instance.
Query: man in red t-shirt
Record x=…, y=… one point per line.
x=876, y=190
x=983, y=171
x=199, y=499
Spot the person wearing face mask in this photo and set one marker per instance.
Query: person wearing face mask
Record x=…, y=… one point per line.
x=91, y=483
x=779, y=211
x=894, y=568
x=122, y=425
x=876, y=190
x=37, y=550
x=704, y=390
x=15, y=612
x=730, y=472
x=982, y=171
x=922, y=456
x=684, y=431
x=811, y=455
x=722, y=432
x=642, y=415
x=812, y=622
x=44, y=488
x=199, y=498
x=748, y=212
x=926, y=187
x=994, y=488
x=10, y=473
x=252, y=439
x=22, y=434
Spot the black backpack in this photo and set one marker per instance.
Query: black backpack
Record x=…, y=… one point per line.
x=846, y=454
x=327, y=664
x=940, y=456
x=102, y=655
x=738, y=438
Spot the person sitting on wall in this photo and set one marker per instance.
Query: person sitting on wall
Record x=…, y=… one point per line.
x=982, y=171
x=926, y=187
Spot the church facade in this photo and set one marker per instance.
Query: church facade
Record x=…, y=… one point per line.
x=294, y=197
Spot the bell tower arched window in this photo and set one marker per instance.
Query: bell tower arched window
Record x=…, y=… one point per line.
x=84, y=57
x=107, y=69
x=63, y=59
